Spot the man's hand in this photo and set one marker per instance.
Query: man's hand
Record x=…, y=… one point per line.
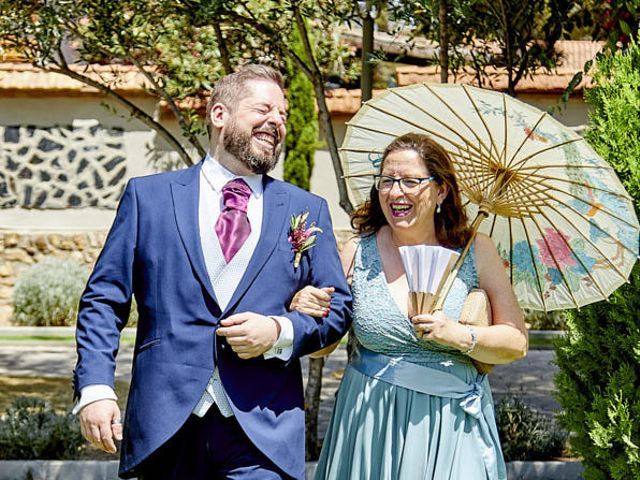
x=249, y=334
x=100, y=424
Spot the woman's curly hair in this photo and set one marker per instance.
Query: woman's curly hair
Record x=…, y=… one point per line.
x=452, y=226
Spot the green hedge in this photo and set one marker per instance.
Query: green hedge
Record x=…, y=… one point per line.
x=599, y=359
x=31, y=430
x=526, y=434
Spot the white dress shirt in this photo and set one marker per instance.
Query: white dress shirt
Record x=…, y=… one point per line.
x=224, y=277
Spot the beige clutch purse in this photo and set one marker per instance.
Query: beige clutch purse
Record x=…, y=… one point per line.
x=476, y=311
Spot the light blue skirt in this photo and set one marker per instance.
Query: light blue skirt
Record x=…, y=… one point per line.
x=380, y=429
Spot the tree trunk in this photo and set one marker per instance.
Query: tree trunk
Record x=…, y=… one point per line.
x=312, y=408
x=224, y=51
x=327, y=129
x=443, y=55
x=366, y=79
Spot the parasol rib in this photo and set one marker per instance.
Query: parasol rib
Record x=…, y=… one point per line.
x=545, y=188
x=542, y=190
x=555, y=260
x=516, y=168
x=579, y=184
x=544, y=150
x=590, y=242
x=566, y=165
x=443, y=124
x=506, y=129
x=525, y=139
x=510, y=247
x=593, y=279
x=484, y=123
x=535, y=266
x=393, y=135
x=485, y=173
x=493, y=224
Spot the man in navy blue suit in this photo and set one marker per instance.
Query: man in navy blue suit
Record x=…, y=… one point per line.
x=216, y=388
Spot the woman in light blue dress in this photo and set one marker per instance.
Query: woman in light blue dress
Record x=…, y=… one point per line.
x=411, y=404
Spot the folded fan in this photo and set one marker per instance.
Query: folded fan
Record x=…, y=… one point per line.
x=426, y=267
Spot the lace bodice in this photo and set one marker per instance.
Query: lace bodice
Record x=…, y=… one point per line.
x=379, y=324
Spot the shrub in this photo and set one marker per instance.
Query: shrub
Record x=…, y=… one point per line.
x=47, y=294
x=537, y=320
x=31, y=429
x=599, y=358
x=526, y=434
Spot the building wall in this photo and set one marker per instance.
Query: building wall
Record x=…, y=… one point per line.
x=28, y=234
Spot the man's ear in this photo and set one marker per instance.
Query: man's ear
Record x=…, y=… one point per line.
x=218, y=115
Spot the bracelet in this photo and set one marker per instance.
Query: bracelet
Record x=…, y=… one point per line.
x=474, y=340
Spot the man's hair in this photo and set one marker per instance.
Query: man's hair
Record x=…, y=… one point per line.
x=230, y=88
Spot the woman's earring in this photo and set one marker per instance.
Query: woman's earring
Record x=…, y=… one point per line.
x=438, y=209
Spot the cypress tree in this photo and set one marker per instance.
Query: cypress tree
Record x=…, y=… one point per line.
x=302, y=128
x=301, y=143
x=599, y=359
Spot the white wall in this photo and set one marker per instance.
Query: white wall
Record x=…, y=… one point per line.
x=139, y=140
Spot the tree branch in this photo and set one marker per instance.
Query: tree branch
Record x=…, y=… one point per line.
x=159, y=90
x=224, y=51
x=193, y=140
x=315, y=75
x=134, y=110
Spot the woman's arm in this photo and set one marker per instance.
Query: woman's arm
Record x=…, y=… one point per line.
x=506, y=339
x=315, y=301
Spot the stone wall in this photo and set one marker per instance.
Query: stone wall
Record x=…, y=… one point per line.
x=19, y=250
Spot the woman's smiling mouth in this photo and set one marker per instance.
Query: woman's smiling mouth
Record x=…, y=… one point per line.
x=399, y=210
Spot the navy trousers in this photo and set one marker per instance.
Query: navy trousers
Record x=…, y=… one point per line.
x=209, y=448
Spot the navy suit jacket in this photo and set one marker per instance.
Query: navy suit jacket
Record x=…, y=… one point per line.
x=153, y=251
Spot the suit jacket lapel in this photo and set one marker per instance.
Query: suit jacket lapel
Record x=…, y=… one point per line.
x=186, y=199
x=274, y=210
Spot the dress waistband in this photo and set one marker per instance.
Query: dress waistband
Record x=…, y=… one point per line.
x=420, y=378
x=425, y=379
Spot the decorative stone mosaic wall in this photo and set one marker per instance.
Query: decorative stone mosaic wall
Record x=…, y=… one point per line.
x=20, y=250
x=61, y=167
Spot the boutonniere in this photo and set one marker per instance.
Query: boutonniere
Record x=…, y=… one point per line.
x=300, y=237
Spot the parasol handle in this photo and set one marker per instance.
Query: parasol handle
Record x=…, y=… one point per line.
x=444, y=287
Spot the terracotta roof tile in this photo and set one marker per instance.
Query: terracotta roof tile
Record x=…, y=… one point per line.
x=24, y=77
x=574, y=55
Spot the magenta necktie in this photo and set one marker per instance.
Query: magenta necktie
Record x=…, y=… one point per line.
x=233, y=226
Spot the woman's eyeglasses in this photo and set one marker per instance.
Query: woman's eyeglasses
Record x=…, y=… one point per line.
x=407, y=184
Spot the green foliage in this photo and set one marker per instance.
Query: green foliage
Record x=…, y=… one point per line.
x=526, y=434
x=47, y=294
x=511, y=34
x=537, y=320
x=31, y=429
x=614, y=122
x=613, y=21
x=302, y=125
x=599, y=359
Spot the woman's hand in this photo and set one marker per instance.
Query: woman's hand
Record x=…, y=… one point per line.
x=439, y=328
x=312, y=301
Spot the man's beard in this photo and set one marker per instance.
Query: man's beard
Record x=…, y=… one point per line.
x=238, y=144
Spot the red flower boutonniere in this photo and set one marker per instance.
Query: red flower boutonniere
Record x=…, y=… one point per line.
x=300, y=237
